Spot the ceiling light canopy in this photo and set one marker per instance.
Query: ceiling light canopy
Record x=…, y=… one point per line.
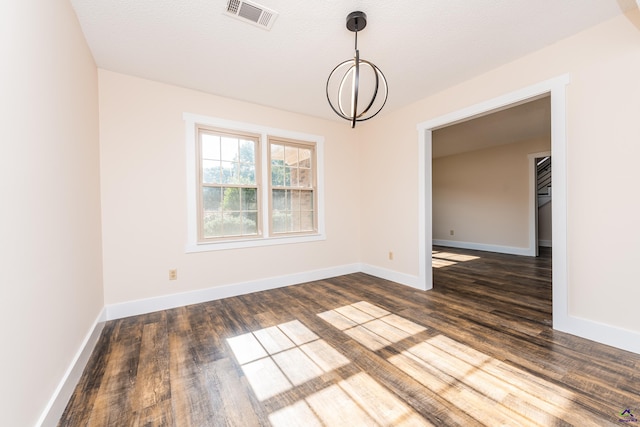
x=356, y=88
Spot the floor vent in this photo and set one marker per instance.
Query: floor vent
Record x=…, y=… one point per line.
x=252, y=13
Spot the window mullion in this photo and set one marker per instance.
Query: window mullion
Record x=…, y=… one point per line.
x=265, y=202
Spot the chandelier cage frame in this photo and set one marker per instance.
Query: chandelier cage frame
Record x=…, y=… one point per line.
x=348, y=73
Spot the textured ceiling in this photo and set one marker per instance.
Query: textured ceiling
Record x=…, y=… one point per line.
x=422, y=46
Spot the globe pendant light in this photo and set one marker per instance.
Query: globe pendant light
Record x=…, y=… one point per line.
x=356, y=80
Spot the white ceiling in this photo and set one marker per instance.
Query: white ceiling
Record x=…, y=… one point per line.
x=422, y=46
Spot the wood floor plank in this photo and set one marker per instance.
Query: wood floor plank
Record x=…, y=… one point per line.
x=113, y=401
x=152, y=378
x=81, y=404
x=190, y=403
x=476, y=350
x=232, y=408
x=158, y=415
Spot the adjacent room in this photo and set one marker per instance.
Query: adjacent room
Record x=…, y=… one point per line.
x=208, y=220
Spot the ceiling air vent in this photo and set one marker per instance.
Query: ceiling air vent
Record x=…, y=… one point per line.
x=252, y=13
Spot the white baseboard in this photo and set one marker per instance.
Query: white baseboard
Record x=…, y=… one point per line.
x=512, y=250
x=623, y=339
x=165, y=302
x=58, y=402
x=545, y=243
x=394, y=276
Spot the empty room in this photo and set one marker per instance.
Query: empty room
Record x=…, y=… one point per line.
x=279, y=213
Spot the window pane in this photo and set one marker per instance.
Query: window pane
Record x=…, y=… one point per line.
x=287, y=176
x=291, y=156
x=210, y=146
x=279, y=200
x=304, y=178
x=235, y=175
x=230, y=149
x=211, y=171
x=232, y=224
x=277, y=165
x=247, y=174
x=306, y=221
x=231, y=199
x=211, y=199
x=294, y=178
x=295, y=221
x=304, y=156
x=249, y=199
x=247, y=158
x=277, y=154
x=212, y=225
x=295, y=200
x=306, y=200
x=281, y=222
x=250, y=223
x=229, y=173
x=247, y=151
x=277, y=175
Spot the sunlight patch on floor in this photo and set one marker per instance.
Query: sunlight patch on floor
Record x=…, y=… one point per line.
x=487, y=389
x=276, y=359
x=370, y=325
x=356, y=401
x=445, y=259
x=289, y=356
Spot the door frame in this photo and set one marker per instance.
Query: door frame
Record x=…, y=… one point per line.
x=556, y=89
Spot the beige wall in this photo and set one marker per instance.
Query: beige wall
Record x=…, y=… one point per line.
x=603, y=104
x=51, y=292
x=483, y=195
x=143, y=176
x=545, y=225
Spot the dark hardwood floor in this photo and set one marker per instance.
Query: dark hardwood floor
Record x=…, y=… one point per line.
x=355, y=350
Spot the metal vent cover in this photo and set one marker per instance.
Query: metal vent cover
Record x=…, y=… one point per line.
x=252, y=13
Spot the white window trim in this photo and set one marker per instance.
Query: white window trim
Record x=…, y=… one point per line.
x=191, y=120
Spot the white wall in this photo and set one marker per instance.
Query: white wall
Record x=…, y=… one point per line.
x=143, y=177
x=483, y=195
x=50, y=247
x=603, y=108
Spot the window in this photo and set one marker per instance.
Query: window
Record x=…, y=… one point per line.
x=292, y=192
x=250, y=185
x=228, y=184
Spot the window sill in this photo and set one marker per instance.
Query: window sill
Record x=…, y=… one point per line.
x=252, y=243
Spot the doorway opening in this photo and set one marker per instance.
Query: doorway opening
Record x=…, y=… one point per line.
x=483, y=197
x=542, y=180
x=556, y=90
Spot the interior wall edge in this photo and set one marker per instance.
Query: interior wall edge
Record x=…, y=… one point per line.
x=58, y=402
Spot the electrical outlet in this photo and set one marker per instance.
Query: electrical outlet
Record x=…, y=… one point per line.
x=450, y=232
x=390, y=256
x=173, y=274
